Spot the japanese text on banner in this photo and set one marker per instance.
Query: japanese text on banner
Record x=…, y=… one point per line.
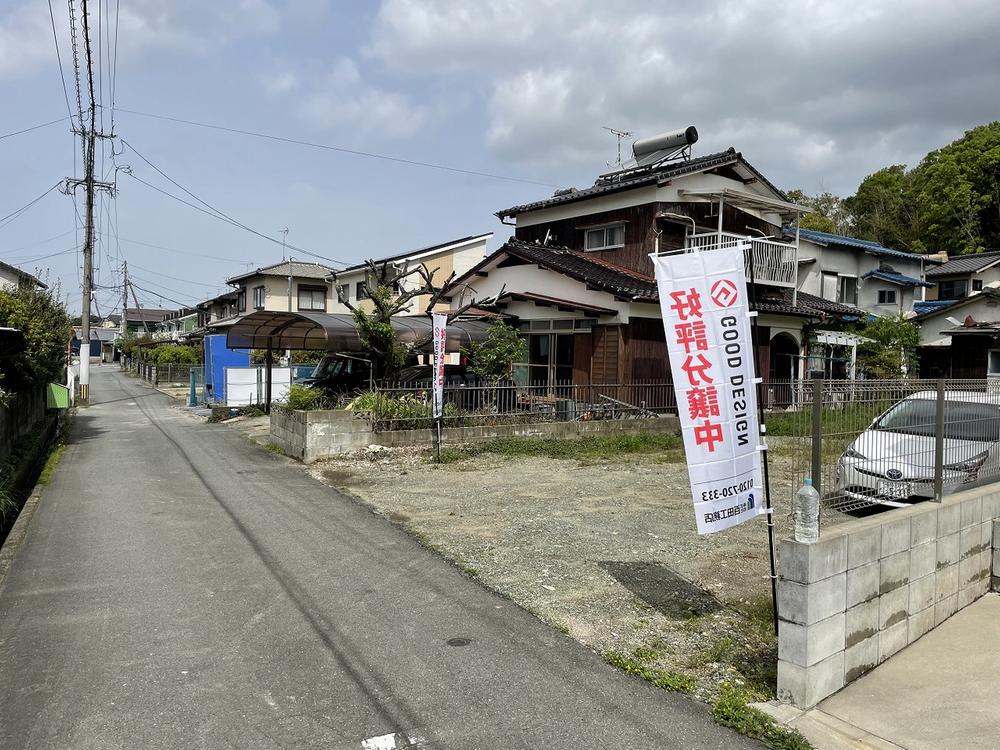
x=440, y=339
x=703, y=299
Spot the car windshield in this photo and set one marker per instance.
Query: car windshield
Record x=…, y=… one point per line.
x=330, y=367
x=963, y=420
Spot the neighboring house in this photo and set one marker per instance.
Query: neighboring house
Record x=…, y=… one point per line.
x=956, y=336
x=14, y=277
x=140, y=321
x=102, y=343
x=312, y=288
x=454, y=256
x=578, y=276
x=218, y=311
x=177, y=325
x=860, y=273
x=964, y=275
x=305, y=285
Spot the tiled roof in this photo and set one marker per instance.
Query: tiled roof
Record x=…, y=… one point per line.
x=963, y=264
x=988, y=293
x=929, y=306
x=146, y=314
x=627, y=182
x=895, y=278
x=874, y=248
x=298, y=269
x=608, y=277
x=630, y=285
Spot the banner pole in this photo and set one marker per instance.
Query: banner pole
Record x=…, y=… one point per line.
x=438, y=430
x=769, y=510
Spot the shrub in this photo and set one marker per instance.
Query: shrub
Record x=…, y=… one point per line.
x=303, y=398
x=174, y=354
x=43, y=319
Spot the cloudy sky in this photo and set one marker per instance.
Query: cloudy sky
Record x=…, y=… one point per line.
x=815, y=94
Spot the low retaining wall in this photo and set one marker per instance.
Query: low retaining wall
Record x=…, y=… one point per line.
x=313, y=435
x=871, y=587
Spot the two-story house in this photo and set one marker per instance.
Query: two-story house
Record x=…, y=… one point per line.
x=964, y=275
x=177, y=325
x=578, y=277
x=142, y=321
x=877, y=280
x=218, y=311
x=309, y=287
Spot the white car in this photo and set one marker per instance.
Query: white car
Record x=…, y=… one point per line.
x=892, y=462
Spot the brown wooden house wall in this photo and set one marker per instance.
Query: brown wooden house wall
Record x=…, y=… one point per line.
x=606, y=363
x=969, y=355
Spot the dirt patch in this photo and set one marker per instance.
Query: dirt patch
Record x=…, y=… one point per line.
x=603, y=549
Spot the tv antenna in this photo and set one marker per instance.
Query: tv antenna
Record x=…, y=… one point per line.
x=620, y=134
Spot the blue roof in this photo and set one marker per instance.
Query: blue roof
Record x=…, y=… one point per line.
x=826, y=238
x=928, y=306
x=895, y=278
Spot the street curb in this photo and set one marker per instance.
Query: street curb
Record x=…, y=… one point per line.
x=18, y=532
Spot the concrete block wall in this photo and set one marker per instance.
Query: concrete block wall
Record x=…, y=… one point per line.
x=871, y=587
x=312, y=435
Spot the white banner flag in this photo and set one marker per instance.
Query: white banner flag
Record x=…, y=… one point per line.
x=440, y=339
x=703, y=298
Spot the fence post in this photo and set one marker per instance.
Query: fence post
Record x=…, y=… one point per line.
x=817, y=432
x=939, y=442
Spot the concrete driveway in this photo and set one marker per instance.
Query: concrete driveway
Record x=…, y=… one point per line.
x=180, y=588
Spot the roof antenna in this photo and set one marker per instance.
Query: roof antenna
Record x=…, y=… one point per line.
x=621, y=134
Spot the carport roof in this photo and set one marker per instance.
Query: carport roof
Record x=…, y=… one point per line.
x=336, y=332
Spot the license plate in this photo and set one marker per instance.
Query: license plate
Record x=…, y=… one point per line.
x=894, y=490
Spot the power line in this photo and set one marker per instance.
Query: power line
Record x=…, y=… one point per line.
x=158, y=295
x=62, y=75
x=50, y=255
x=214, y=212
x=182, y=252
x=341, y=149
x=14, y=214
x=165, y=288
x=76, y=64
x=177, y=278
x=35, y=127
x=41, y=242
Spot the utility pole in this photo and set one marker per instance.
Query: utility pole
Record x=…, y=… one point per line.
x=124, y=295
x=89, y=135
x=284, y=236
x=88, y=237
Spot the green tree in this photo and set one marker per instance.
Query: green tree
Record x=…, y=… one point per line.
x=890, y=354
x=829, y=214
x=43, y=319
x=493, y=358
x=956, y=192
x=882, y=209
x=175, y=354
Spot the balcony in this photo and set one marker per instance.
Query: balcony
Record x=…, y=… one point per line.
x=774, y=263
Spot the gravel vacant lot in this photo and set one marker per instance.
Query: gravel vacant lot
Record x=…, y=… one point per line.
x=604, y=550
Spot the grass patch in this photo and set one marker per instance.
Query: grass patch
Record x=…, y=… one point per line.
x=471, y=572
x=275, y=449
x=673, y=681
x=51, y=463
x=590, y=447
x=731, y=710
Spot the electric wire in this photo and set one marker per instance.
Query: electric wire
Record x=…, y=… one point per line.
x=341, y=149
x=35, y=127
x=62, y=74
x=215, y=213
x=4, y=221
x=177, y=278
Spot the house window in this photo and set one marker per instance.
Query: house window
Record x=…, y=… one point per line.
x=241, y=301
x=887, y=296
x=312, y=298
x=360, y=291
x=847, y=292
x=343, y=290
x=605, y=238
x=258, y=297
x=993, y=363
x=830, y=285
x=954, y=289
x=977, y=285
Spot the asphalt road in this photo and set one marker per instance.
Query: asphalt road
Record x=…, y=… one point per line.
x=181, y=588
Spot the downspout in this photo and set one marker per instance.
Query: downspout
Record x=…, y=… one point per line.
x=722, y=200
x=795, y=276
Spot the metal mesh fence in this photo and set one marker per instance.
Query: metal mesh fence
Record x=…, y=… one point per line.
x=869, y=445
x=408, y=406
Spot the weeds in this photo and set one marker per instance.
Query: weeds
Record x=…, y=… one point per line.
x=731, y=710
x=585, y=448
x=51, y=463
x=275, y=449
x=673, y=681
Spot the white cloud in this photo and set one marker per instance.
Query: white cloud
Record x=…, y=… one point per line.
x=339, y=98
x=145, y=27
x=809, y=91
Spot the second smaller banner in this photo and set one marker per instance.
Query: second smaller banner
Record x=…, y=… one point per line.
x=440, y=339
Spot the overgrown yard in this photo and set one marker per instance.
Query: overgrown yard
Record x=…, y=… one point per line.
x=597, y=538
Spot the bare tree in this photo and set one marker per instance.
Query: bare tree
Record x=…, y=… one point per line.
x=386, y=285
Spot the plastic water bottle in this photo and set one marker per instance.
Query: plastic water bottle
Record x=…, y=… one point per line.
x=807, y=514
